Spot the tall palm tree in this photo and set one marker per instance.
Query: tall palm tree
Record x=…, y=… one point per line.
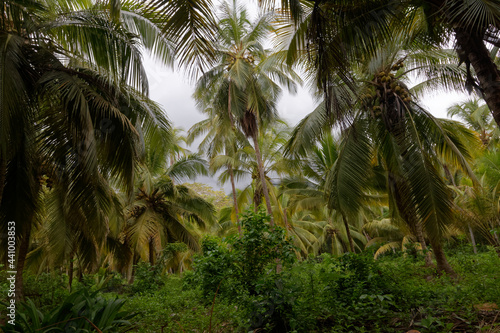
x=245, y=73
x=72, y=92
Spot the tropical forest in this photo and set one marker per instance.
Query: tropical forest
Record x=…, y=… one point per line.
x=371, y=212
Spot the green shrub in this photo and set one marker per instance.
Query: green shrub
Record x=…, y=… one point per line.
x=241, y=261
x=146, y=278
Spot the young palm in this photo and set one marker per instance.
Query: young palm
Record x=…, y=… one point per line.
x=221, y=138
x=160, y=211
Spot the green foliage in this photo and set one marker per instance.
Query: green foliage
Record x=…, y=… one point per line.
x=179, y=309
x=218, y=198
x=241, y=261
x=81, y=311
x=147, y=277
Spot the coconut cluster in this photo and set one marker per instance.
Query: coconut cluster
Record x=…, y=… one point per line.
x=385, y=85
x=232, y=60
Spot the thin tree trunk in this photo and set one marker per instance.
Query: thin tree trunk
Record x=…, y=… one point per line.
x=152, y=254
x=421, y=239
x=230, y=168
x=80, y=271
x=442, y=262
x=473, y=47
x=70, y=270
x=135, y=258
x=260, y=165
x=348, y=232
x=368, y=238
x=473, y=239
x=24, y=243
x=235, y=200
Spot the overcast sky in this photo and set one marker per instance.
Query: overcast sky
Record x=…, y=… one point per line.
x=174, y=93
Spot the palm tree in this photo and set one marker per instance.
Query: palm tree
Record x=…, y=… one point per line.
x=359, y=26
x=309, y=193
x=160, y=212
x=221, y=138
x=476, y=116
x=73, y=99
x=390, y=128
x=245, y=74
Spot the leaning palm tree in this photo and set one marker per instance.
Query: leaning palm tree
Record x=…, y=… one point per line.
x=389, y=128
x=242, y=83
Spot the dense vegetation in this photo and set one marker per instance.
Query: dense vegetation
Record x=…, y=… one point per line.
x=370, y=215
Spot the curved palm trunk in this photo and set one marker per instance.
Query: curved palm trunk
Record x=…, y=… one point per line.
x=442, y=262
x=348, y=232
x=408, y=215
x=235, y=200
x=421, y=239
x=473, y=239
x=260, y=166
x=152, y=254
x=473, y=47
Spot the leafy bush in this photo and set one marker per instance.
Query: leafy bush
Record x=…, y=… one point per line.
x=241, y=261
x=147, y=277
x=81, y=311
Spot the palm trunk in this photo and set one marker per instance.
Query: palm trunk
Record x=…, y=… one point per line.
x=152, y=255
x=260, y=165
x=473, y=239
x=348, y=232
x=235, y=200
x=230, y=168
x=24, y=243
x=473, y=47
x=442, y=262
x=421, y=239
x=70, y=271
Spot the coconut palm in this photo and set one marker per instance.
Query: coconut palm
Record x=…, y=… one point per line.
x=308, y=193
x=160, y=212
x=245, y=74
x=359, y=26
x=476, y=116
x=389, y=128
x=221, y=138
